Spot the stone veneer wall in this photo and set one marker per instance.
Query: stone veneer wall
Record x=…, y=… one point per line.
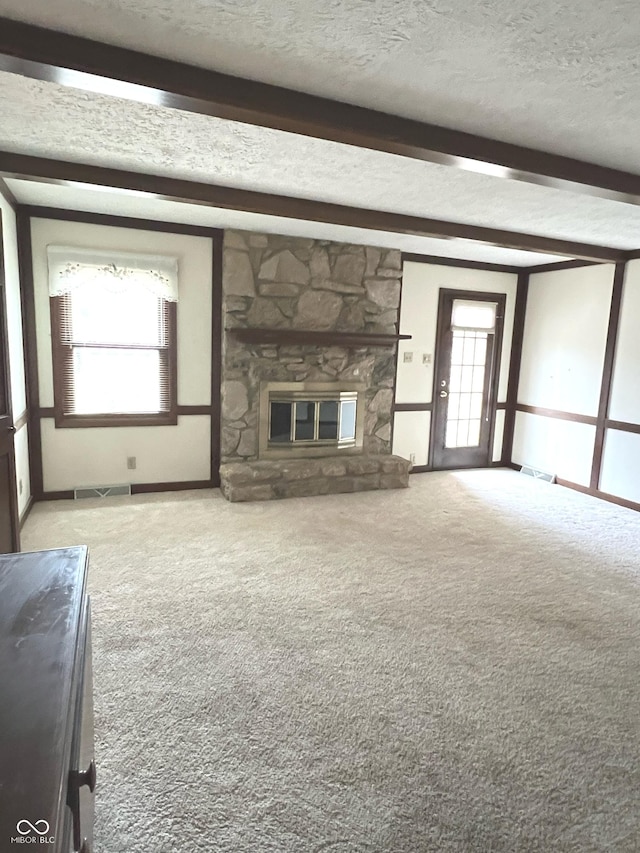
x=277, y=282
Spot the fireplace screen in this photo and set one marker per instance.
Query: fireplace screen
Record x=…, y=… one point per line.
x=310, y=417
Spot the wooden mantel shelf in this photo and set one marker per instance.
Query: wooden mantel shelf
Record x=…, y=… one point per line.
x=302, y=337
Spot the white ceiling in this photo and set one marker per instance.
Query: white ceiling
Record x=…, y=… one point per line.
x=553, y=75
x=558, y=75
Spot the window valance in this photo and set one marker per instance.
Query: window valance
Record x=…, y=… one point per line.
x=71, y=267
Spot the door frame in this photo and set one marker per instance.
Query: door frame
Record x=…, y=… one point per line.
x=4, y=355
x=444, y=294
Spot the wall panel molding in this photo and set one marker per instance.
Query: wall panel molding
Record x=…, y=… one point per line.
x=596, y=493
x=25, y=214
x=558, y=414
x=622, y=426
x=412, y=407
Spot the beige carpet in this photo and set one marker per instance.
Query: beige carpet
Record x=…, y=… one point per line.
x=453, y=667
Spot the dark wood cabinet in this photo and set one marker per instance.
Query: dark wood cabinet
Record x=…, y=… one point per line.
x=47, y=767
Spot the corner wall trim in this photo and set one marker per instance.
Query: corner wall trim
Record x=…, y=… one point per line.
x=27, y=298
x=216, y=355
x=515, y=361
x=7, y=195
x=607, y=373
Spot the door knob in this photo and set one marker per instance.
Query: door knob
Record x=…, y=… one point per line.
x=443, y=394
x=86, y=777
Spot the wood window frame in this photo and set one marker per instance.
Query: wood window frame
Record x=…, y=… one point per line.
x=61, y=352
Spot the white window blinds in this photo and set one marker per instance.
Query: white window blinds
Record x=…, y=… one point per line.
x=473, y=316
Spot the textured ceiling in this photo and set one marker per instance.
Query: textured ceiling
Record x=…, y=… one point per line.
x=551, y=74
x=136, y=205
x=53, y=121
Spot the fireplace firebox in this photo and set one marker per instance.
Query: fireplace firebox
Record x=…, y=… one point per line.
x=302, y=419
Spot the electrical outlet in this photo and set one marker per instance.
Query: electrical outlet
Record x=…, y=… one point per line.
x=407, y=358
x=426, y=358
x=20, y=487
x=412, y=458
x=131, y=463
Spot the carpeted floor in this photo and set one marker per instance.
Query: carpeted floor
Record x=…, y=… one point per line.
x=452, y=667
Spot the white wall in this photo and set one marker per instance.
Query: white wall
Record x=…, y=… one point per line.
x=565, y=335
x=411, y=436
x=91, y=457
x=421, y=284
x=564, y=343
x=16, y=352
x=498, y=436
x=625, y=389
x=620, y=474
x=563, y=448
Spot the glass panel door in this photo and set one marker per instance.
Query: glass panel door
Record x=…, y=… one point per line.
x=467, y=359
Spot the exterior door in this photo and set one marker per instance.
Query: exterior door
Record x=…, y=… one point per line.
x=468, y=346
x=9, y=525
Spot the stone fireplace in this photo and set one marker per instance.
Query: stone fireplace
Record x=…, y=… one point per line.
x=309, y=355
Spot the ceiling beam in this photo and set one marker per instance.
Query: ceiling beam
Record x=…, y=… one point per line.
x=23, y=166
x=96, y=67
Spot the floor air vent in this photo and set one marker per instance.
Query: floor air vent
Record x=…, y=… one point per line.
x=538, y=475
x=101, y=492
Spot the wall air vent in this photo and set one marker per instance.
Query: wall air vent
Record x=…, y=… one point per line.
x=538, y=475
x=101, y=492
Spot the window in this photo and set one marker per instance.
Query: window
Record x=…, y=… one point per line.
x=471, y=324
x=113, y=330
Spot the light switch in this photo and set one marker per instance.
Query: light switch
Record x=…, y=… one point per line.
x=426, y=358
